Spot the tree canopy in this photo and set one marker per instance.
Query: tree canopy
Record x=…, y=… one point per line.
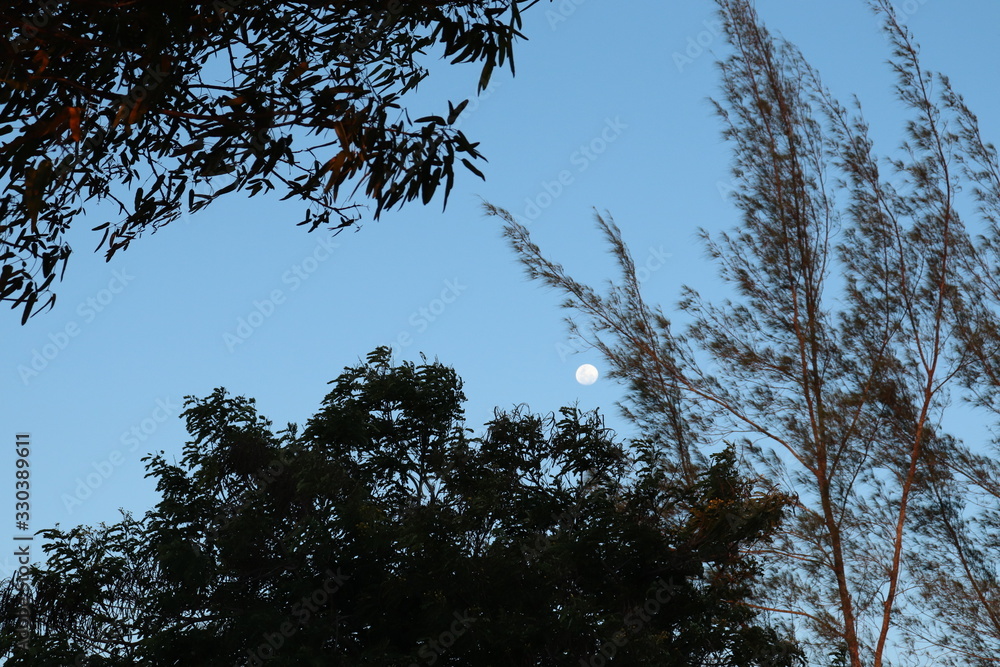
x=153, y=107
x=864, y=305
x=383, y=534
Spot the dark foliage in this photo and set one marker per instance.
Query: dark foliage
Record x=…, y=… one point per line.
x=383, y=535
x=158, y=108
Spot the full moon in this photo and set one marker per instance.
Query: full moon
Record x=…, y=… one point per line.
x=586, y=374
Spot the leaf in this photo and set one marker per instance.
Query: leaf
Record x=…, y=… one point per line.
x=227, y=189
x=120, y=116
x=351, y=90
x=484, y=79
x=14, y=83
x=137, y=111
x=295, y=73
x=427, y=189
x=334, y=166
x=342, y=134
x=74, y=122
x=471, y=167
x=35, y=182
x=42, y=58
x=453, y=113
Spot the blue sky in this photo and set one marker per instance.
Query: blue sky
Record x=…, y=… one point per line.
x=609, y=109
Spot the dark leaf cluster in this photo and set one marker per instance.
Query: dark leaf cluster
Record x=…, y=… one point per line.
x=383, y=534
x=158, y=109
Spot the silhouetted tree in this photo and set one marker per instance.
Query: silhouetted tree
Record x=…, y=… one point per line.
x=382, y=535
x=864, y=305
x=152, y=106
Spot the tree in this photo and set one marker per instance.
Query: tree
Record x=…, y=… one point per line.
x=382, y=534
x=146, y=106
x=862, y=308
